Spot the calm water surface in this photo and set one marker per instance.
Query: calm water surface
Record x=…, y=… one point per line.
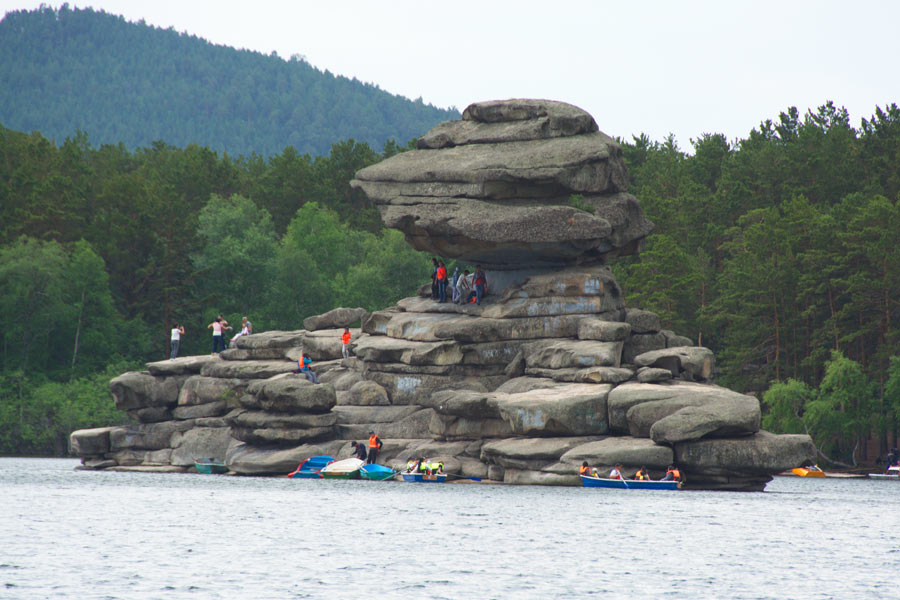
x=79, y=534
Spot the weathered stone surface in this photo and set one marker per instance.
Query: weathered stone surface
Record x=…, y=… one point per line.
x=642, y=321
x=569, y=409
x=135, y=390
x=336, y=318
x=355, y=415
x=520, y=453
x=250, y=369
x=367, y=393
x=450, y=427
x=409, y=388
x=151, y=436
x=89, y=442
x=565, y=354
x=200, y=442
x=629, y=451
x=490, y=353
x=548, y=306
x=526, y=384
x=325, y=344
x=257, y=419
x=530, y=477
x=290, y=394
x=590, y=375
x=652, y=375
x=376, y=323
x=639, y=343
x=722, y=417
x=247, y=459
x=95, y=464
x=761, y=453
x=673, y=340
x=183, y=365
x=537, y=119
x=253, y=353
x=414, y=425
x=151, y=414
x=343, y=379
x=203, y=390
x=210, y=409
x=628, y=395
x=603, y=331
x=697, y=361
x=463, y=328
x=387, y=349
x=463, y=403
x=270, y=339
x=273, y=436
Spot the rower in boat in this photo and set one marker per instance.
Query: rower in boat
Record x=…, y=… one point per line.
x=616, y=472
x=642, y=474
x=672, y=474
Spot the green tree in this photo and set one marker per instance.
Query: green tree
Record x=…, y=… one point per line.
x=785, y=403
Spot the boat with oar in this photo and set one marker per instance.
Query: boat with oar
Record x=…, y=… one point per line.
x=893, y=472
x=808, y=471
x=425, y=477
x=343, y=469
x=629, y=484
x=377, y=472
x=311, y=468
x=210, y=466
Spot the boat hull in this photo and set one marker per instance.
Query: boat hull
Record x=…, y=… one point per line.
x=209, y=466
x=425, y=477
x=629, y=484
x=801, y=472
x=312, y=467
x=377, y=473
x=343, y=469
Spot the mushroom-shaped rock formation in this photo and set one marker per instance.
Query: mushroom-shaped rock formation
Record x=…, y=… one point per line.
x=515, y=184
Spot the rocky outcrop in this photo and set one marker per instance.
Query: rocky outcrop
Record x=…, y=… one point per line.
x=551, y=370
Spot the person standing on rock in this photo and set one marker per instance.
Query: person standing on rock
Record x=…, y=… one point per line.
x=434, y=270
x=345, y=343
x=177, y=332
x=218, y=326
x=359, y=450
x=454, y=293
x=480, y=282
x=462, y=288
x=442, y=281
x=375, y=445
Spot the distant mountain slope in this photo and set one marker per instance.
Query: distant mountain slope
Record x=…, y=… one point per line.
x=68, y=69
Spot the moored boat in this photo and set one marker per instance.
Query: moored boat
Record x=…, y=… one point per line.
x=629, y=484
x=210, y=466
x=312, y=467
x=377, y=472
x=810, y=471
x=343, y=469
x=425, y=477
x=893, y=472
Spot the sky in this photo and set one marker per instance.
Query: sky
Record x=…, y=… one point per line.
x=655, y=67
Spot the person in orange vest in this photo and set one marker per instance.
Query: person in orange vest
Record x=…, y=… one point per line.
x=345, y=343
x=587, y=470
x=442, y=281
x=375, y=445
x=303, y=366
x=642, y=474
x=672, y=474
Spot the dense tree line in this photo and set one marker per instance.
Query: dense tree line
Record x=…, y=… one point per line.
x=781, y=252
x=68, y=69
x=103, y=250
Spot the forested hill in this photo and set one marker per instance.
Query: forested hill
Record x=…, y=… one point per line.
x=69, y=69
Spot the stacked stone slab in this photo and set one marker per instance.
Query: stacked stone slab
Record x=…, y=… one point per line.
x=551, y=370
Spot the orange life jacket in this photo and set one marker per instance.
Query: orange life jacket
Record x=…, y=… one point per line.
x=675, y=473
x=373, y=441
x=442, y=273
x=584, y=470
x=346, y=337
x=640, y=475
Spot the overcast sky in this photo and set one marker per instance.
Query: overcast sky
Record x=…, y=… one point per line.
x=656, y=67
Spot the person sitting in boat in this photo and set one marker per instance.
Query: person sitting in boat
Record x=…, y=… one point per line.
x=415, y=466
x=585, y=469
x=616, y=472
x=359, y=450
x=672, y=474
x=642, y=474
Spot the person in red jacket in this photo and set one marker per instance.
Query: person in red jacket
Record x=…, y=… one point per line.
x=442, y=281
x=345, y=343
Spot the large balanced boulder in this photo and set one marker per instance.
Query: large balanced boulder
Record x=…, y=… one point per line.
x=569, y=409
x=337, y=318
x=496, y=188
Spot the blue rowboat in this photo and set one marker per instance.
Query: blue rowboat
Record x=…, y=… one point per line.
x=210, y=466
x=630, y=484
x=425, y=477
x=377, y=472
x=311, y=467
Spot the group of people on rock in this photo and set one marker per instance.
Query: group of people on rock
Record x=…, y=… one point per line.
x=219, y=327
x=370, y=456
x=642, y=474
x=465, y=287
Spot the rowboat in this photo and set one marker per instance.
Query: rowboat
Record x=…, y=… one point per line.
x=893, y=472
x=343, y=469
x=425, y=477
x=311, y=467
x=210, y=466
x=377, y=472
x=629, y=484
x=811, y=471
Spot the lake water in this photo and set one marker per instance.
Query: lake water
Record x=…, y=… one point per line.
x=81, y=534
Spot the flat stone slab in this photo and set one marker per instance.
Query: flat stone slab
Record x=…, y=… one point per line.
x=569, y=409
x=250, y=369
x=762, y=453
x=627, y=395
x=698, y=361
x=336, y=318
x=579, y=354
x=183, y=365
x=633, y=452
x=270, y=339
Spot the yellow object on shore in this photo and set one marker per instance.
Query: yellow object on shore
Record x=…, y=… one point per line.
x=808, y=472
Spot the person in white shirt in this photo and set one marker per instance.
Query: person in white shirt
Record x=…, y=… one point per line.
x=246, y=329
x=616, y=472
x=177, y=332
